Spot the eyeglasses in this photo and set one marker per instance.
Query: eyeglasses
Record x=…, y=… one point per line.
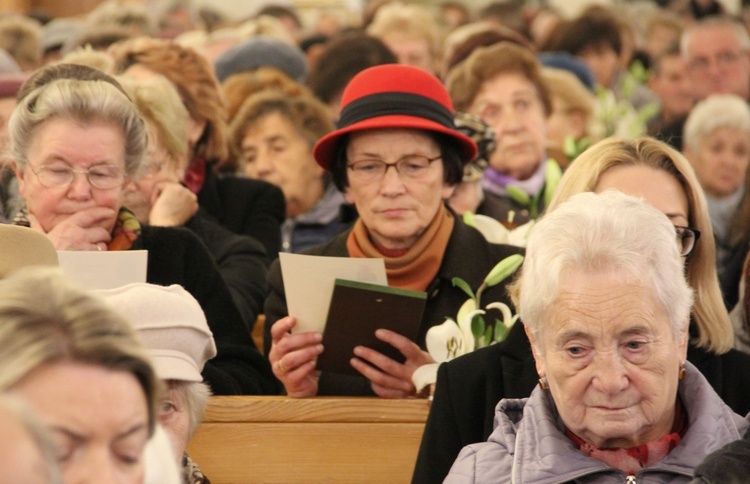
x=148, y=170
x=723, y=59
x=411, y=167
x=687, y=237
x=99, y=176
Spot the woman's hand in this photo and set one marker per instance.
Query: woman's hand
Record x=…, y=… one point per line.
x=84, y=230
x=293, y=358
x=391, y=379
x=173, y=205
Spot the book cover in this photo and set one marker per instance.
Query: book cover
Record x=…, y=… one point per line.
x=357, y=309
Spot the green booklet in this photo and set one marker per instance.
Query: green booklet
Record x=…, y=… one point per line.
x=357, y=309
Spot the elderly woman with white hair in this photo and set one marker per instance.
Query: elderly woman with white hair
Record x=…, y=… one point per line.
x=717, y=144
x=172, y=327
x=606, y=310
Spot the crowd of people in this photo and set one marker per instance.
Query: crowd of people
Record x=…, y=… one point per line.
x=610, y=146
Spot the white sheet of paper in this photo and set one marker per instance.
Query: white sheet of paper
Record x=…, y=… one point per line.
x=103, y=270
x=309, y=280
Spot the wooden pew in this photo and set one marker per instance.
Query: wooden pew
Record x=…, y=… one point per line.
x=314, y=440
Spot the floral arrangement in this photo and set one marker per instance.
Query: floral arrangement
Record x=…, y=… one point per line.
x=469, y=331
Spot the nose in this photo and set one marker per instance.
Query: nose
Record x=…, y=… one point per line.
x=79, y=188
x=97, y=466
x=264, y=164
x=391, y=183
x=610, y=374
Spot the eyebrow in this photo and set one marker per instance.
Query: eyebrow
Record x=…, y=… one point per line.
x=131, y=431
x=570, y=334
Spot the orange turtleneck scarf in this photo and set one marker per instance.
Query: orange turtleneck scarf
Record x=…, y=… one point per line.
x=417, y=266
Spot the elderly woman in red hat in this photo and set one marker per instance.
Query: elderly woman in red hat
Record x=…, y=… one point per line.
x=397, y=157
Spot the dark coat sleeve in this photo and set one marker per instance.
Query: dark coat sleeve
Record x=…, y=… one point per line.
x=177, y=256
x=246, y=207
x=466, y=394
x=242, y=262
x=728, y=465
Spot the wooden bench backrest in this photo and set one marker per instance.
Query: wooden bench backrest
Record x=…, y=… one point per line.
x=316, y=440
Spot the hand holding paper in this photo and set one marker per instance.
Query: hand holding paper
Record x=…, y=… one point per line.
x=293, y=358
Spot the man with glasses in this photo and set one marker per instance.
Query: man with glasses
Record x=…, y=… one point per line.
x=716, y=51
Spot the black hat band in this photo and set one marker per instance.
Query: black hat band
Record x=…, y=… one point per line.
x=393, y=104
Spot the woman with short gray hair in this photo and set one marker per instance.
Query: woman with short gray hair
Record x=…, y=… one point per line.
x=606, y=311
x=717, y=144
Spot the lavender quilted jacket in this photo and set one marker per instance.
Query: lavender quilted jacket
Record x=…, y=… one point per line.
x=528, y=445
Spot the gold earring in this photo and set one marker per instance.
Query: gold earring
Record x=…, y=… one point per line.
x=682, y=372
x=543, y=383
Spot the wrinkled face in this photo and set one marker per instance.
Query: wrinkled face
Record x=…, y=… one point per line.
x=156, y=170
x=603, y=62
x=721, y=161
x=717, y=64
x=174, y=417
x=22, y=457
x=410, y=50
x=611, y=359
x=273, y=150
x=98, y=419
x=396, y=210
x=510, y=104
x=672, y=87
x=67, y=144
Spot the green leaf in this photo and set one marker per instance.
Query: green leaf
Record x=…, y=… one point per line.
x=487, y=336
x=501, y=331
x=552, y=174
x=477, y=328
x=519, y=196
x=461, y=284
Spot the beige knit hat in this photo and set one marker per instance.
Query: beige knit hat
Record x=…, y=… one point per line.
x=23, y=247
x=170, y=324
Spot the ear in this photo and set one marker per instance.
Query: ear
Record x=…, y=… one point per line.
x=348, y=196
x=447, y=191
x=195, y=130
x=21, y=177
x=683, y=341
x=540, y=367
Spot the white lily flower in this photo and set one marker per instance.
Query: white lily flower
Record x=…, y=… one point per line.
x=509, y=319
x=497, y=233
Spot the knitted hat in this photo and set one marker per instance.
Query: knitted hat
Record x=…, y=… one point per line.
x=170, y=324
x=393, y=96
x=262, y=51
x=22, y=247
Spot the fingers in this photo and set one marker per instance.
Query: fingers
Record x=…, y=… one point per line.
x=384, y=384
x=92, y=217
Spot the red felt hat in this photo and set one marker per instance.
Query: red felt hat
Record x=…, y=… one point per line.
x=393, y=96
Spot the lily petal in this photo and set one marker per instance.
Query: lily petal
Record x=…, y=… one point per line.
x=445, y=341
x=425, y=375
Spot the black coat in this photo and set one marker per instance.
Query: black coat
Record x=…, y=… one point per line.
x=245, y=207
x=468, y=255
x=242, y=262
x=469, y=387
x=176, y=256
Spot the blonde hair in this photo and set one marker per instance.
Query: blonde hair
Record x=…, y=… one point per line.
x=46, y=320
x=159, y=103
x=412, y=20
x=712, y=320
x=571, y=92
x=194, y=78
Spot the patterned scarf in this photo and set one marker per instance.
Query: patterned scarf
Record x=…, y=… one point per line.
x=191, y=473
x=127, y=228
x=413, y=268
x=633, y=460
